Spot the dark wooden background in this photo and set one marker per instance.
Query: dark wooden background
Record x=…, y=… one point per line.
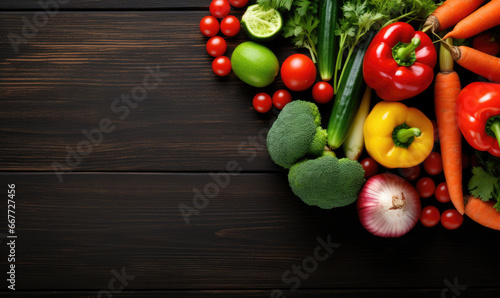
x=119, y=208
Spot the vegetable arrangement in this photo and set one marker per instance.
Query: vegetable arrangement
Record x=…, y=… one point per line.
x=361, y=48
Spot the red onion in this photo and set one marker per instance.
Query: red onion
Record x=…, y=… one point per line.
x=388, y=206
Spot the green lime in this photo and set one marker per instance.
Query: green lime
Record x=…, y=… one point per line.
x=261, y=25
x=254, y=64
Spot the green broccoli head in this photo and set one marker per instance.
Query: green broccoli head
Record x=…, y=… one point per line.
x=296, y=133
x=327, y=181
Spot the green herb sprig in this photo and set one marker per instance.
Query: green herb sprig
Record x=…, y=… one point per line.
x=301, y=22
x=485, y=180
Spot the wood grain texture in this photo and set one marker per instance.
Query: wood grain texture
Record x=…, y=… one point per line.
x=106, y=4
x=386, y=293
x=72, y=234
x=68, y=75
x=66, y=78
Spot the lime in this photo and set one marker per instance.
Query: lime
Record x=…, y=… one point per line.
x=261, y=25
x=254, y=64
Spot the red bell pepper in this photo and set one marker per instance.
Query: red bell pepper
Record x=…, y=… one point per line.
x=399, y=62
x=478, y=116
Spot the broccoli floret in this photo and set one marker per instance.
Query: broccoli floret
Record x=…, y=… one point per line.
x=327, y=181
x=296, y=133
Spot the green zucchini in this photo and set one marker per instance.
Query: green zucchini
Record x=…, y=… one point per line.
x=327, y=40
x=348, y=98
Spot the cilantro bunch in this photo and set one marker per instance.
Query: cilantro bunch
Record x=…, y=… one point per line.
x=301, y=22
x=485, y=180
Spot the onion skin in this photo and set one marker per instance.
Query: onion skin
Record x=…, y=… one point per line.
x=388, y=206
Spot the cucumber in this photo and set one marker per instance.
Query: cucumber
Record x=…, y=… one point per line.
x=348, y=98
x=327, y=40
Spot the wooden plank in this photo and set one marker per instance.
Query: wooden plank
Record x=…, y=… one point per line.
x=386, y=293
x=249, y=235
x=68, y=75
x=103, y=4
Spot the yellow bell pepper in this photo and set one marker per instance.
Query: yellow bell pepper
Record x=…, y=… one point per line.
x=397, y=136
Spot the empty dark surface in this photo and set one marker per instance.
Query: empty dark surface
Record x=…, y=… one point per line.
x=119, y=207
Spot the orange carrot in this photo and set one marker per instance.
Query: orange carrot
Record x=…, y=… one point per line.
x=478, y=62
x=481, y=20
x=483, y=213
x=450, y=13
x=446, y=90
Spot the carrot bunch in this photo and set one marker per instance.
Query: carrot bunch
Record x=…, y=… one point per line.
x=446, y=90
x=469, y=21
x=469, y=18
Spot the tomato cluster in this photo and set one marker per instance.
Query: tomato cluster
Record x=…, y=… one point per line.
x=229, y=26
x=426, y=187
x=298, y=72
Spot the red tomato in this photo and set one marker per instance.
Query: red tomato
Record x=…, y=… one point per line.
x=487, y=42
x=221, y=66
x=209, y=26
x=216, y=46
x=298, y=72
x=219, y=8
x=281, y=98
x=230, y=26
x=429, y=216
x=238, y=3
x=451, y=219
x=410, y=174
x=262, y=102
x=370, y=166
x=433, y=164
x=322, y=92
x=425, y=187
x=442, y=194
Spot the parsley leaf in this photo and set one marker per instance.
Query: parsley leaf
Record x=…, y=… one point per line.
x=485, y=180
x=482, y=184
x=301, y=21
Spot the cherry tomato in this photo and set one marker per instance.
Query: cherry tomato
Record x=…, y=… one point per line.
x=221, y=66
x=433, y=164
x=281, y=98
x=216, y=46
x=230, y=26
x=322, y=92
x=370, y=166
x=219, y=8
x=262, y=102
x=429, y=216
x=442, y=194
x=411, y=173
x=451, y=219
x=209, y=26
x=298, y=72
x=238, y=3
x=425, y=187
